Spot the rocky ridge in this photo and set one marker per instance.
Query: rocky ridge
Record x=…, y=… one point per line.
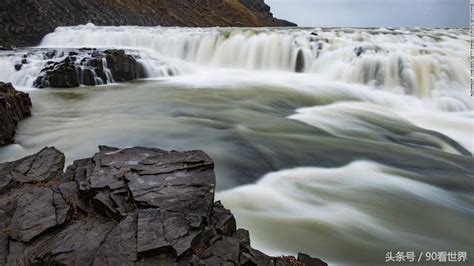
x=19, y=16
x=14, y=106
x=134, y=206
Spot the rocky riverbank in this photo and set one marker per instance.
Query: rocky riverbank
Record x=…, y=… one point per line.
x=18, y=16
x=14, y=106
x=134, y=206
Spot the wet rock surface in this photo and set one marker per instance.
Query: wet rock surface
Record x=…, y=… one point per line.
x=86, y=66
x=134, y=206
x=14, y=106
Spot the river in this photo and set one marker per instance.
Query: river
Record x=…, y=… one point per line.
x=341, y=143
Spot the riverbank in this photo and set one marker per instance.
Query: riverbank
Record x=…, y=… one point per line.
x=139, y=206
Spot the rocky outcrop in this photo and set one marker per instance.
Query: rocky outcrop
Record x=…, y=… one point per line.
x=14, y=106
x=134, y=206
x=18, y=16
x=67, y=69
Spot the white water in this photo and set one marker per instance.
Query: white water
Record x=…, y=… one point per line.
x=420, y=62
x=394, y=97
x=352, y=214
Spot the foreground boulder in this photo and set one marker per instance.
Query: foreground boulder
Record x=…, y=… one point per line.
x=14, y=106
x=68, y=69
x=135, y=206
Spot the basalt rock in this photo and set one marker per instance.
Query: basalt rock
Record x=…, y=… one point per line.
x=134, y=206
x=87, y=67
x=14, y=106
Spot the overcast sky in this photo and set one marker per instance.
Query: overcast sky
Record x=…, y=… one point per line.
x=373, y=13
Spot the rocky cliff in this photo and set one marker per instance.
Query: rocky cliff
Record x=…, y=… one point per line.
x=135, y=206
x=25, y=22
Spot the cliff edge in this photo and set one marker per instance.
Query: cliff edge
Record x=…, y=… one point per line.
x=27, y=21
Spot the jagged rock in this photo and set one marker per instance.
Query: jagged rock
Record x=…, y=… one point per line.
x=4, y=228
x=308, y=260
x=120, y=246
x=134, y=206
x=37, y=210
x=87, y=67
x=74, y=244
x=14, y=106
x=44, y=166
x=123, y=67
x=223, y=220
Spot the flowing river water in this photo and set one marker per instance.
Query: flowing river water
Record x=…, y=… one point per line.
x=341, y=143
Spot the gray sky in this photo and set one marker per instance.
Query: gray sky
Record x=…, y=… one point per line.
x=373, y=13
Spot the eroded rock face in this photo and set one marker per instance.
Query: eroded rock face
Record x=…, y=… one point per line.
x=135, y=206
x=87, y=67
x=14, y=106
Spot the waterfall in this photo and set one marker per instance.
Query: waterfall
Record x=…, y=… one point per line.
x=419, y=62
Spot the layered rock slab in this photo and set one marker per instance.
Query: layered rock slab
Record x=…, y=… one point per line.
x=135, y=206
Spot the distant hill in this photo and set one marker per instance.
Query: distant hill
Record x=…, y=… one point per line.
x=25, y=22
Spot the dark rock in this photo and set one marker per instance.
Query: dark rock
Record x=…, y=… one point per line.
x=18, y=67
x=4, y=231
x=88, y=67
x=14, y=106
x=135, y=206
x=300, y=62
x=123, y=67
x=359, y=50
x=309, y=261
x=120, y=246
x=223, y=220
x=74, y=244
x=44, y=166
x=38, y=209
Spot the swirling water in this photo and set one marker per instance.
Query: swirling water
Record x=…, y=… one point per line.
x=342, y=143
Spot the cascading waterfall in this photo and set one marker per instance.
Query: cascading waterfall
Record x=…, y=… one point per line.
x=415, y=62
x=419, y=62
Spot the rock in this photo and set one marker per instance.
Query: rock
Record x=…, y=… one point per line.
x=74, y=244
x=123, y=67
x=14, y=106
x=223, y=220
x=359, y=50
x=87, y=67
x=134, y=206
x=300, y=62
x=120, y=246
x=44, y=166
x=37, y=210
x=4, y=231
x=309, y=261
